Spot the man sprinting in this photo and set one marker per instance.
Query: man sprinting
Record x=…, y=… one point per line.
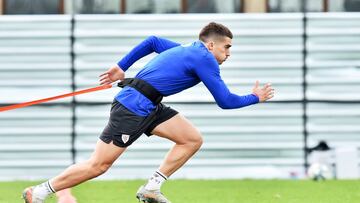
x=137, y=108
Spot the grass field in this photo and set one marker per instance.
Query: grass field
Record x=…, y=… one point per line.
x=208, y=191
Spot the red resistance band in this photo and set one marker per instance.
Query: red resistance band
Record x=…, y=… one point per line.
x=21, y=105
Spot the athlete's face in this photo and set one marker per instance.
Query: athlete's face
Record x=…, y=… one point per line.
x=220, y=48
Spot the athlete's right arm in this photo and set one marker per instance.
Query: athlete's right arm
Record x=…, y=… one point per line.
x=146, y=47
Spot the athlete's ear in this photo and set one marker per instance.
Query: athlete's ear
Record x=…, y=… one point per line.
x=210, y=45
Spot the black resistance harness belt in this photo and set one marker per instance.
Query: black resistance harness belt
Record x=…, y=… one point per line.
x=144, y=88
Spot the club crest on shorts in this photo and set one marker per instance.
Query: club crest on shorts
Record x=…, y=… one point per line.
x=125, y=138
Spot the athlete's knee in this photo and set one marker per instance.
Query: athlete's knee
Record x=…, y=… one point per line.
x=195, y=141
x=96, y=167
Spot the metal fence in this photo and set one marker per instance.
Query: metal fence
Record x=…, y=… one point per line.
x=45, y=56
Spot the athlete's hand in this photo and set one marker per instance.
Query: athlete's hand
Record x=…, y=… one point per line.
x=264, y=93
x=113, y=74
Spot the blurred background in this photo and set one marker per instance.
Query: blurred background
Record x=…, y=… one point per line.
x=308, y=50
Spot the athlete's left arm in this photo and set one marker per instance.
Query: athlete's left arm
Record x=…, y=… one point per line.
x=146, y=47
x=209, y=74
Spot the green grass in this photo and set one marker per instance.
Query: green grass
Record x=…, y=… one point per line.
x=208, y=191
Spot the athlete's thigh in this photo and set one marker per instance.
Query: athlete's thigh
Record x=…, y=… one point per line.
x=106, y=153
x=178, y=129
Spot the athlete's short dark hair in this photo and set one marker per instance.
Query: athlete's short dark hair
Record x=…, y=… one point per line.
x=214, y=29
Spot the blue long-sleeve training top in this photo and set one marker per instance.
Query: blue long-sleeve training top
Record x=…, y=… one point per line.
x=176, y=68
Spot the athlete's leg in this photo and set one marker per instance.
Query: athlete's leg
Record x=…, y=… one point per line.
x=102, y=158
x=187, y=140
x=100, y=161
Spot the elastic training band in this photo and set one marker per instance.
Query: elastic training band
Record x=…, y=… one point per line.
x=30, y=103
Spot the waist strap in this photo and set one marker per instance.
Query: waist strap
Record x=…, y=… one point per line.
x=144, y=88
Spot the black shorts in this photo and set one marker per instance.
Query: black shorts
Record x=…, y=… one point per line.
x=124, y=127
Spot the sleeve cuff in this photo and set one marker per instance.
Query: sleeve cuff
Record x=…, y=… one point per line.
x=256, y=97
x=122, y=66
